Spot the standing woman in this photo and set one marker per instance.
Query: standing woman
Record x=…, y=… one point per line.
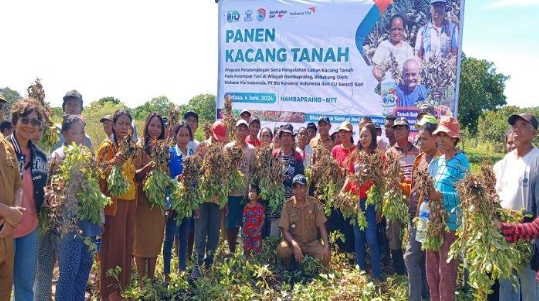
x=178, y=152
x=266, y=136
x=446, y=171
x=149, y=222
x=27, y=116
x=74, y=256
x=118, y=236
x=368, y=144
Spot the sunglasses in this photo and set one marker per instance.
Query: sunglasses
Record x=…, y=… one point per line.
x=34, y=121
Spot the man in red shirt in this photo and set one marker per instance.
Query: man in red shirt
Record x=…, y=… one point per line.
x=254, y=129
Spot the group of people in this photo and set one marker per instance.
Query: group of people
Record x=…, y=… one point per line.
x=134, y=231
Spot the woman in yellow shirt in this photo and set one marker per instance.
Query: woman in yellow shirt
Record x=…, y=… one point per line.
x=118, y=235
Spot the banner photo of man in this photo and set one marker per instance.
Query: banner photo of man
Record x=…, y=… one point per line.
x=292, y=61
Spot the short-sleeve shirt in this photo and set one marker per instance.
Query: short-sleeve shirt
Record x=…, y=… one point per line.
x=246, y=167
x=252, y=219
x=401, y=53
x=411, y=99
x=514, y=179
x=446, y=174
x=431, y=41
x=303, y=220
x=341, y=154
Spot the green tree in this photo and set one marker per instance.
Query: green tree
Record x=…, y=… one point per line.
x=161, y=105
x=481, y=89
x=110, y=99
x=204, y=105
x=493, y=126
x=11, y=96
x=93, y=113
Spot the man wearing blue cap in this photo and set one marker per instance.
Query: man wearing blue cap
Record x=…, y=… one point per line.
x=439, y=37
x=302, y=218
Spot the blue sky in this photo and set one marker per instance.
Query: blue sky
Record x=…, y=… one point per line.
x=135, y=50
x=505, y=32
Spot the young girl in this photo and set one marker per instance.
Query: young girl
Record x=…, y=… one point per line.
x=149, y=222
x=183, y=136
x=118, y=237
x=253, y=222
x=74, y=256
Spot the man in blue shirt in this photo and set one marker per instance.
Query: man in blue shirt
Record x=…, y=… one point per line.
x=410, y=92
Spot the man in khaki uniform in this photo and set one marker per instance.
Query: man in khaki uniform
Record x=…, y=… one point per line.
x=302, y=218
x=10, y=214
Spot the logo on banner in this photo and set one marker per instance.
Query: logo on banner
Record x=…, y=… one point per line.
x=248, y=16
x=277, y=13
x=261, y=15
x=233, y=16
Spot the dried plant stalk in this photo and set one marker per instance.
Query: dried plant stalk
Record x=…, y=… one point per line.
x=327, y=176
x=268, y=176
x=229, y=119
x=50, y=131
x=394, y=206
x=185, y=196
x=487, y=252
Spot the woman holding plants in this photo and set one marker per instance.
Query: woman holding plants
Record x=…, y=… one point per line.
x=149, y=219
x=27, y=116
x=118, y=236
x=446, y=171
x=367, y=144
x=178, y=228
x=74, y=255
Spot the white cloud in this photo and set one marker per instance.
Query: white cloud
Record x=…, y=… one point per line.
x=512, y=3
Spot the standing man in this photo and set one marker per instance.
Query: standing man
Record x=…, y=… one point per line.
x=514, y=173
x=72, y=105
x=406, y=152
x=191, y=118
x=439, y=37
x=237, y=197
x=292, y=166
x=254, y=129
x=415, y=256
x=390, y=133
x=302, y=218
x=107, y=125
x=245, y=115
x=10, y=213
x=3, y=103
x=311, y=130
x=324, y=125
x=208, y=216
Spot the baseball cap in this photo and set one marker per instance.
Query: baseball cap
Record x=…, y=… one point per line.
x=2, y=98
x=324, y=119
x=287, y=128
x=245, y=111
x=346, y=126
x=106, y=118
x=254, y=119
x=527, y=117
x=218, y=130
x=434, y=1
x=448, y=125
x=426, y=109
x=190, y=113
x=401, y=121
x=73, y=94
x=242, y=122
x=299, y=179
x=426, y=119
x=311, y=125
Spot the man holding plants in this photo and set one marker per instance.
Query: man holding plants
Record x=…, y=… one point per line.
x=516, y=174
x=302, y=218
x=406, y=152
x=237, y=197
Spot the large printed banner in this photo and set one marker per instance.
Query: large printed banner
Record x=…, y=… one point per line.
x=293, y=61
